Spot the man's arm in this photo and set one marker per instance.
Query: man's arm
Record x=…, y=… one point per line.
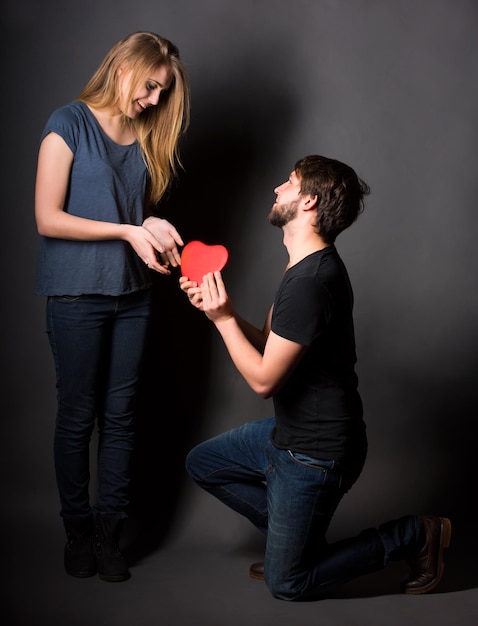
x=265, y=372
x=256, y=336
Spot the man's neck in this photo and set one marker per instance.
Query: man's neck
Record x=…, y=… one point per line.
x=299, y=245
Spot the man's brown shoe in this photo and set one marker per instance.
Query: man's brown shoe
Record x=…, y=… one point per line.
x=256, y=571
x=426, y=566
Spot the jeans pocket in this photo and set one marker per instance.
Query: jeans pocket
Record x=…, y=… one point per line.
x=309, y=461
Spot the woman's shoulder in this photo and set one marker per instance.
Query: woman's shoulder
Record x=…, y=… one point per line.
x=68, y=121
x=71, y=112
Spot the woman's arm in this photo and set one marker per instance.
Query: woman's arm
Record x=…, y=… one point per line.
x=55, y=160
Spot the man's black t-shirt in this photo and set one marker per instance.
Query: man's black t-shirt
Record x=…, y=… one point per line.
x=318, y=410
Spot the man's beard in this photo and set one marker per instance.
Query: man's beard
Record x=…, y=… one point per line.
x=282, y=214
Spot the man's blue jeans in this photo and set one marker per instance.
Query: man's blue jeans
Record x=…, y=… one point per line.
x=97, y=343
x=291, y=498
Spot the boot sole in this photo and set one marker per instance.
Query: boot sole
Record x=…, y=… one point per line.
x=81, y=574
x=114, y=579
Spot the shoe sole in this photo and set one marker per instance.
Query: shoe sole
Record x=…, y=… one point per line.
x=445, y=538
x=81, y=573
x=256, y=576
x=114, y=579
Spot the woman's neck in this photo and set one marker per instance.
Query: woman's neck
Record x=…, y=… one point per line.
x=115, y=125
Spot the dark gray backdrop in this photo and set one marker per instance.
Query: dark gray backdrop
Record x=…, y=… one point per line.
x=388, y=87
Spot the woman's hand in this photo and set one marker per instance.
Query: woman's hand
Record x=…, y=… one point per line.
x=146, y=247
x=168, y=237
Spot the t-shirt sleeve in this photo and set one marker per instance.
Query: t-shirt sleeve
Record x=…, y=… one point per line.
x=301, y=310
x=65, y=123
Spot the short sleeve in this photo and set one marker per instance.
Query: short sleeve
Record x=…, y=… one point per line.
x=301, y=310
x=65, y=123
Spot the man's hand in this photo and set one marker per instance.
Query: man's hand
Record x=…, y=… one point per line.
x=192, y=291
x=210, y=297
x=215, y=301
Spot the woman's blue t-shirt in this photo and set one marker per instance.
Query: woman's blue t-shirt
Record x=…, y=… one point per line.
x=108, y=183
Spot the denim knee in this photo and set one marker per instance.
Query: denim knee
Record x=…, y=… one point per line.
x=285, y=589
x=191, y=464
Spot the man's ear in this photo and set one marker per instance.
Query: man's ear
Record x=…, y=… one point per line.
x=311, y=202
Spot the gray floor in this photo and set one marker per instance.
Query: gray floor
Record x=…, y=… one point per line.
x=201, y=580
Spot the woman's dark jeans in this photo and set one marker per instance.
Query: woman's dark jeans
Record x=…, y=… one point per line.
x=97, y=343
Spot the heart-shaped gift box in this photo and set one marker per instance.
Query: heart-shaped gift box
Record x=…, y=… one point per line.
x=198, y=259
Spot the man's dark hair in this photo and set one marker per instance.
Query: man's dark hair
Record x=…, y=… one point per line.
x=340, y=193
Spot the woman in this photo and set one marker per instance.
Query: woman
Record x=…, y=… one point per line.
x=105, y=160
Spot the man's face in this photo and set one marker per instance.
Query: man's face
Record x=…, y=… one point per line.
x=287, y=202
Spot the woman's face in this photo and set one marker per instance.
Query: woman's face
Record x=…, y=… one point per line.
x=147, y=93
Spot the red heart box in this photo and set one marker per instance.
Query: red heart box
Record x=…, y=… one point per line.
x=198, y=258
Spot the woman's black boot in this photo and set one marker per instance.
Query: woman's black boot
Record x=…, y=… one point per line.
x=111, y=563
x=79, y=556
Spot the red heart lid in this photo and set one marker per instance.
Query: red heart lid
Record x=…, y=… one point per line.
x=198, y=259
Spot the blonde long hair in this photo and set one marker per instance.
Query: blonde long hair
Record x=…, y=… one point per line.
x=159, y=128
